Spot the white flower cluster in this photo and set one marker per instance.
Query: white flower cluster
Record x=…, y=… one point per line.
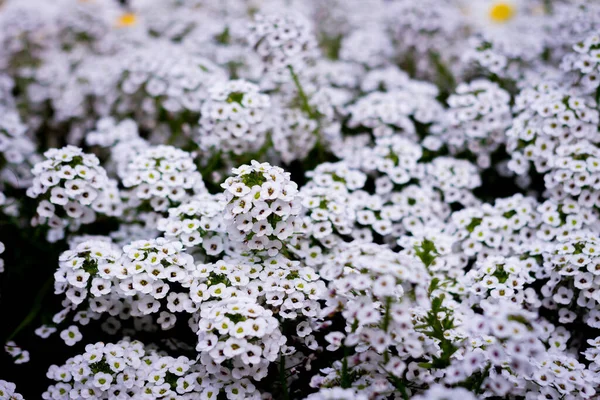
x=505, y=337
x=144, y=278
x=234, y=118
x=498, y=229
x=369, y=46
x=162, y=176
x=123, y=141
x=560, y=219
x=385, y=78
x=282, y=42
x=292, y=134
x=329, y=204
x=241, y=304
x=419, y=27
x=128, y=370
x=570, y=25
x=262, y=206
x=563, y=375
x=368, y=286
x=240, y=331
x=440, y=392
x=585, y=60
x=88, y=268
x=502, y=278
x=153, y=270
x=109, y=132
x=15, y=145
x=572, y=269
x=19, y=355
x=396, y=158
x=21, y=23
x=518, y=225
x=546, y=118
x=454, y=178
x=491, y=57
x=397, y=110
x=197, y=221
x=342, y=199
x=574, y=172
x=176, y=82
x=478, y=116
x=72, y=188
x=592, y=354
x=8, y=391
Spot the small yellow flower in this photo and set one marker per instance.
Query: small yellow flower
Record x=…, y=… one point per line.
x=127, y=19
x=502, y=12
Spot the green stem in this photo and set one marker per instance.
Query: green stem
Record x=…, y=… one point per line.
x=320, y=148
x=282, y=379
x=445, y=75
x=175, y=133
x=478, y=389
x=397, y=382
x=345, y=375
x=400, y=386
x=312, y=114
x=213, y=162
x=303, y=98
x=386, y=324
x=37, y=305
x=387, y=317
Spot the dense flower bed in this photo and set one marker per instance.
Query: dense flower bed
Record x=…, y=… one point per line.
x=292, y=199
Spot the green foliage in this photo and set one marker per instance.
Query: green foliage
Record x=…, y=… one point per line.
x=90, y=266
x=224, y=37
x=474, y=224
x=253, y=179
x=171, y=379
x=439, y=319
x=101, y=366
x=236, y=317
x=426, y=252
x=235, y=97
x=474, y=382
x=435, y=327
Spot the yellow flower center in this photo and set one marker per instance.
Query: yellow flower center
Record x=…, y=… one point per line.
x=126, y=19
x=502, y=12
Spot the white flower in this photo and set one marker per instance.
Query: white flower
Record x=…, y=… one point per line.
x=71, y=335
